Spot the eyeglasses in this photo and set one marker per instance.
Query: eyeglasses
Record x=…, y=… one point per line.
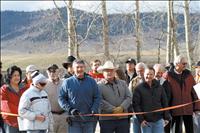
x=42, y=84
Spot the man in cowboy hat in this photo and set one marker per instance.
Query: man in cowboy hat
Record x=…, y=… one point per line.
x=68, y=66
x=116, y=98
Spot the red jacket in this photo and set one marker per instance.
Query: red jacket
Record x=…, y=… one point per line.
x=182, y=92
x=96, y=76
x=9, y=104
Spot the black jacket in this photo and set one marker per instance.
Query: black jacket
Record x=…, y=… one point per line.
x=128, y=79
x=146, y=98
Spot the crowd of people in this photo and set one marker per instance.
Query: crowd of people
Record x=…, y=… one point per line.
x=77, y=101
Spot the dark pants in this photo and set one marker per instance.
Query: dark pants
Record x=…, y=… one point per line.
x=188, y=123
x=10, y=129
x=1, y=125
x=114, y=126
x=168, y=127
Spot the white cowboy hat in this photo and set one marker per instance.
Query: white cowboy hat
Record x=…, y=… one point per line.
x=107, y=65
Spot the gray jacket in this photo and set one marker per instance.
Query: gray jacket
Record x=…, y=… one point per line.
x=113, y=95
x=32, y=103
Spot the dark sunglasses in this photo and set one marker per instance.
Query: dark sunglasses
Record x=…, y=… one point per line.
x=42, y=84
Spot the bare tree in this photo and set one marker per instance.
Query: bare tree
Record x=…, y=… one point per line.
x=168, y=46
x=74, y=39
x=137, y=29
x=174, y=46
x=71, y=28
x=105, y=30
x=187, y=31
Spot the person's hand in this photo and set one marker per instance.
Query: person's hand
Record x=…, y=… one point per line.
x=118, y=110
x=40, y=118
x=69, y=121
x=75, y=112
x=92, y=113
x=144, y=123
x=197, y=112
x=166, y=122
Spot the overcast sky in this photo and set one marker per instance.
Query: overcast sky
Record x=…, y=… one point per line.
x=112, y=6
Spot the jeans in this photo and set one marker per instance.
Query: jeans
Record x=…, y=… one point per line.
x=36, y=131
x=10, y=129
x=197, y=123
x=81, y=127
x=154, y=127
x=114, y=126
x=136, y=125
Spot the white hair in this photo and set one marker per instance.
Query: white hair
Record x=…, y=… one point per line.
x=178, y=59
x=160, y=66
x=140, y=65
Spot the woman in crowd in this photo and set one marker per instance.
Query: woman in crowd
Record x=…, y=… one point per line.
x=10, y=96
x=28, y=79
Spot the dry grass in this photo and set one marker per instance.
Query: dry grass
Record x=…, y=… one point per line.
x=42, y=60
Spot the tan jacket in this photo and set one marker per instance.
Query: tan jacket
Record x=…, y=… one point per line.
x=134, y=82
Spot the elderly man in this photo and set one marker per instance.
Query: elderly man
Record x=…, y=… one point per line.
x=159, y=70
x=80, y=95
x=140, y=67
x=52, y=88
x=116, y=98
x=149, y=96
x=181, y=82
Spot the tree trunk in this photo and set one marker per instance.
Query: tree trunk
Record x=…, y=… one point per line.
x=105, y=30
x=71, y=29
x=175, y=49
x=168, y=47
x=158, y=52
x=137, y=29
x=187, y=31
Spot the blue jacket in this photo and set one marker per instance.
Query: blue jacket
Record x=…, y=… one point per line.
x=82, y=95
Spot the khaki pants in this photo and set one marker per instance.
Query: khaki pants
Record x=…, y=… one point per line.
x=60, y=125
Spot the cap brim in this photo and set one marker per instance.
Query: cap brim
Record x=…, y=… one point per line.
x=130, y=62
x=66, y=64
